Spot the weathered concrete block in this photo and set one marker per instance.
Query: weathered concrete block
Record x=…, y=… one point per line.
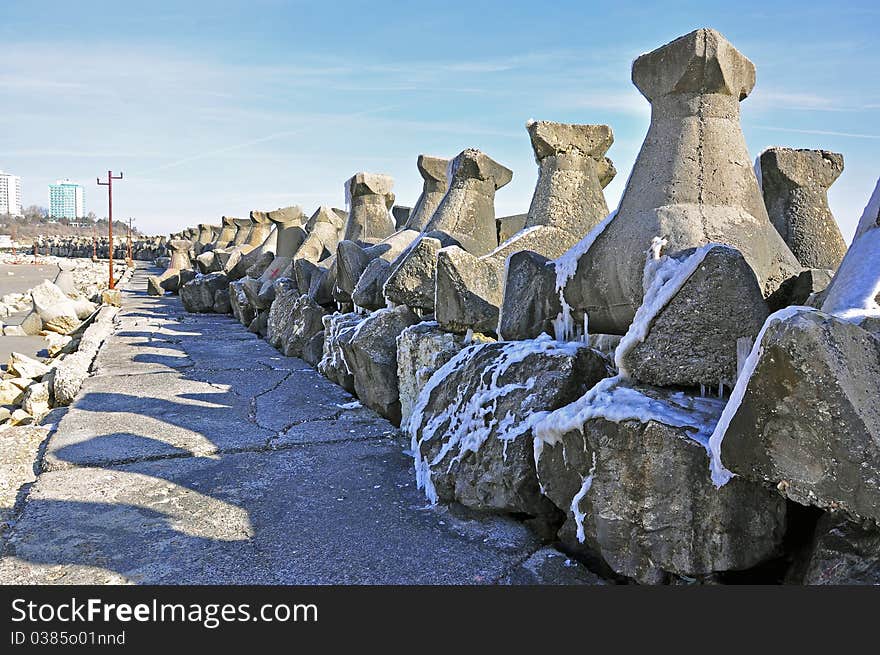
x=795, y=186
x=371, y=354
x=421, y=350
x=369, y=198
x=628, y=465
x=471, y=425
x=696, y=310
x=198, y=294
x=844, y=553
x=338, y=331
x=805, y=419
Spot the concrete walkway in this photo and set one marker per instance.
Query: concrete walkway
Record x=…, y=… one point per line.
x=198, y=454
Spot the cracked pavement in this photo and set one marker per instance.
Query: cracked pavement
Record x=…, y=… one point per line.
x=198, y=454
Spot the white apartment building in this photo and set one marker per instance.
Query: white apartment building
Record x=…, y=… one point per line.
x=66, y=200
x=10, y=194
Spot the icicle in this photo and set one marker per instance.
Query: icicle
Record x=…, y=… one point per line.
x=579, y=516
x=721, y=389
x=702, y=390
x=743, y=348
x=468, y=337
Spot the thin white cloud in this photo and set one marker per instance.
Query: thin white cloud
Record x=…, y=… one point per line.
x=853, y=135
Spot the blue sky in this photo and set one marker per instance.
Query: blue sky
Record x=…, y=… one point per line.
x=215, y=108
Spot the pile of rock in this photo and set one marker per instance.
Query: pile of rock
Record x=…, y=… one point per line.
x=74, y=329
x=142, y=248
x=583, y=369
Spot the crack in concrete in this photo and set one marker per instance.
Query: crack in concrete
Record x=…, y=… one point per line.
x=255, y=448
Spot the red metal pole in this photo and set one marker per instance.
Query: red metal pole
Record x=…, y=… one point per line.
x=130, y=260
x=109, y=184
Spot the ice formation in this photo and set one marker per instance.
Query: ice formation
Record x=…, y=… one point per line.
x=465, y=426
x=566, y=266
x=663, y=278
x=720, y=475
x=579, y=516
x=614, y=400
x=852, y=294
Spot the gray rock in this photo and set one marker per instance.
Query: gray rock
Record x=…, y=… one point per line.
x=239, y=305
x=57, y=311
x=157, y=285
x=572, y=171
x=292, y=325
x=844, y=553
x=369, y=198
x=22, y=366
x=400, y=214
x=368, y=292
x=260, y=323
x=637, y=492
x=228, y=230
x=325, y=229
x=692, y=339
x=471, y=426
x=371, y=354
x=338, y=331
x=313, y=350
x=179, y=254
x=279, y=321
x=260, y=264
x=795, y=185
x=184, y=276
x=413, y=278
x=206, y=262
x=809, y=422
x=433, y=172
x=221, y=301
x=198, y=294
x=550, y=567
x=509, y=225
x=31, y=324
x=467, y=211
x=468, y=291
x=65, y=279
x=806, y=288
x=421, y=350
x=853, y=292
x=68, y=376
x=531, y=277
x=242, y=231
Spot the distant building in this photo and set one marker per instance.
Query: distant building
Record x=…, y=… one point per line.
x=66, y=200
x=10, y=194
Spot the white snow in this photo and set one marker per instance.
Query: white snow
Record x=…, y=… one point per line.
x=565, y=267
x=465, y=422
x=566, y=264
x=720, y=475
x=852, y=294
x=614, y=400
x=332, y=357
x=743, y=348
x=514, y=237
x=352, y=405
x=663, y=278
